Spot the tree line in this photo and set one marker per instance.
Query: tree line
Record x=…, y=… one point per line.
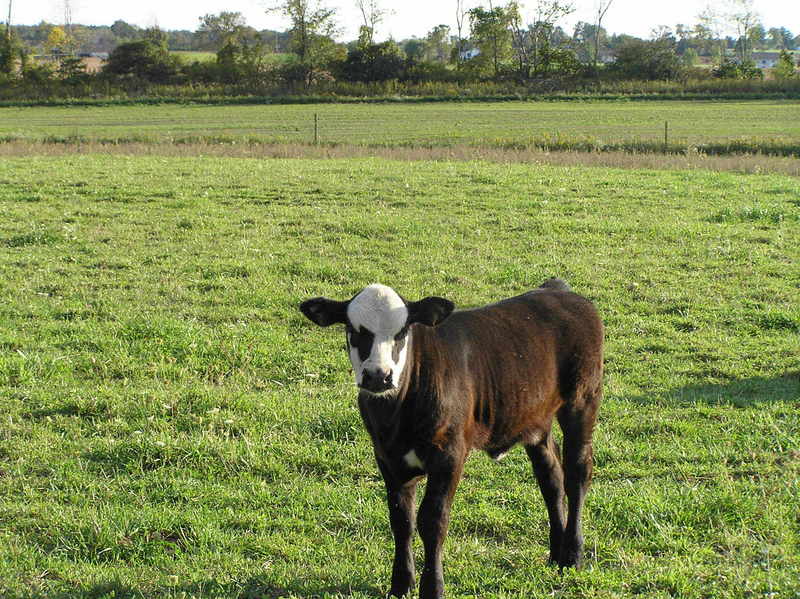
x=489, y=43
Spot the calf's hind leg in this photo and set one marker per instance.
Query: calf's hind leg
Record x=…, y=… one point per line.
x=550, y=476
x=577, y=422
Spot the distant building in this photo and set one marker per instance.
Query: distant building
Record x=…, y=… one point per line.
x=469, y=54
x=765, y=60
x=606, y=57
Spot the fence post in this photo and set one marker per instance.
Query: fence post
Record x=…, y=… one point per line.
x=666, y=135
x=316, y=129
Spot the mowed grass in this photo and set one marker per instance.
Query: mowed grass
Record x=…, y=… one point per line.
x=190, y=56
x=718, y=127
x=195, y=55
x=173, y=427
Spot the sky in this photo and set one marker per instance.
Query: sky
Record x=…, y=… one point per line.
x=408, y=18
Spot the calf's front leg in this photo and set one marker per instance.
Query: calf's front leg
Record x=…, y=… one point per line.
x=400, y=498
x=432, y=521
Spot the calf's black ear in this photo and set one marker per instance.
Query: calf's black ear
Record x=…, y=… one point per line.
x=324, y=311
x=429, y=311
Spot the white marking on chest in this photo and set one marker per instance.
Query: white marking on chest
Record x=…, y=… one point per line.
x=412, y=460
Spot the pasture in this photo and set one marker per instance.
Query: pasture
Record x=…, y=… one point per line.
x=720, y=127
x=195, y=55
x=172, y=426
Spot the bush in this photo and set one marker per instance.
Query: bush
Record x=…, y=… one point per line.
x=37, y=74
x=374, y=62
x=419, y=72
x=145, y=59
x=72, y=70
x=731, y=69
x=647, y=60
x=12, y=53
x=297, y=74
x=785, y=67
x=561, y=62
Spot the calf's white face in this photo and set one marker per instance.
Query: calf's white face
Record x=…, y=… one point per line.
x=377, y=322
x=377, y=334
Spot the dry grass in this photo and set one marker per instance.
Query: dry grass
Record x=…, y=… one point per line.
x=746, y=163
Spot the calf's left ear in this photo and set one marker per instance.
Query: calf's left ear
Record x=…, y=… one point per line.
x=324, y=311
x=429, y=311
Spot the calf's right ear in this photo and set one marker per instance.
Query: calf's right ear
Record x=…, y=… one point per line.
x=324, y=311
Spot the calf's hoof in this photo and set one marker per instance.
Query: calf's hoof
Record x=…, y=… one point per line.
x=570, y=559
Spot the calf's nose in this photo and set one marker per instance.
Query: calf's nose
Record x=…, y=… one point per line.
x=376, y=380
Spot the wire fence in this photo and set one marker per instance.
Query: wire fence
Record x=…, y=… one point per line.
x=753, y=127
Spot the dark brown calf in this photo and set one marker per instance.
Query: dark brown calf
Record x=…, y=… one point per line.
x=486, y=378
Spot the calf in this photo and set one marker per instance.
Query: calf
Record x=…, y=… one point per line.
x=435, y=384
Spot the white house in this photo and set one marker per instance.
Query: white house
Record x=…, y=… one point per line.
x=765, y=60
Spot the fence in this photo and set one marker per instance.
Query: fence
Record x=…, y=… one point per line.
x=716, y=128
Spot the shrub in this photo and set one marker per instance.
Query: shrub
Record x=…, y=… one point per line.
x=37, y=74
x=648, y=60
x=374, y=62
x=71, y=69
x=145, y=60
x=419, y=72
x=785, y=67
x=731, y=69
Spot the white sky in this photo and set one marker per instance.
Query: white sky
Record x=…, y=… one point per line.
x=410, y=17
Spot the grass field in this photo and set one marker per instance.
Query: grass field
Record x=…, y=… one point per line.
x=200, y=56
x=721, y=127
x=173, y=427
x=192, y=55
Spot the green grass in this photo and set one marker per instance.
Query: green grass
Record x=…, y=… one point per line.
x=718, y=128
x=193, y=55
x=201, y=56
x=173, y=427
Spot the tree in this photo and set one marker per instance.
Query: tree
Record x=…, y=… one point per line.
x=376, y=62
x=372, y=14
x=744, y=18
x=461, y=21
x=71, y=69
x=584, y=37
x=123, y=31
x=638, y=59
x=243, y=58
x=144, y=59
x=757, y=37
x=310, y=35
x=216, y=31
x=158, y=37
x=12, y=52
x=781, y=38
x=491, y=31
x=534, y=45
x=690, y=57
x=57, y=41
x=785, y=67
x=414, y=49
x=732, y=69
x=438, y=45
x=8, y=33
x=661, y=32
x=602, y=9
x=709, y=29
